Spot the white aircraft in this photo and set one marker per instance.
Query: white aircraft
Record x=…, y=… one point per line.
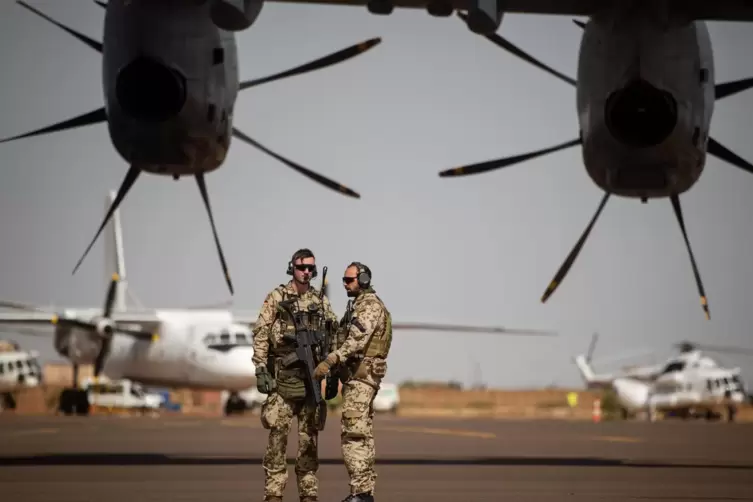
x=645, y=94
x=689, y=384
x=201, y=348
x=18, y=368
x=170, y=83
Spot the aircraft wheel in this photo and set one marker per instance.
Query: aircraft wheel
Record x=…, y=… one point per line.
x=74, y=401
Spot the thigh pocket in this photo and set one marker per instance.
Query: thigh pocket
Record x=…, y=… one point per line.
x=355, y=420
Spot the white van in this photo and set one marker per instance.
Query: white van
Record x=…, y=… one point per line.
x=387, y=399
x=120, y=394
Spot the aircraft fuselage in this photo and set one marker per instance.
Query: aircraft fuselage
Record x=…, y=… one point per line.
x=170, y=81
x=645, y=98
x=179, y=357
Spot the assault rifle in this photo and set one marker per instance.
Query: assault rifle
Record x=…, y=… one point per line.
x=331, y=386
x=308, y=340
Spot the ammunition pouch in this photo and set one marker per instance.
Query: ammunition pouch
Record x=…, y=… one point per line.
x=290, y=384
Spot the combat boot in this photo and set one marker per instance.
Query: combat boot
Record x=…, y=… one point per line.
x=308, y=499
x=360, y=497
x=272, y=498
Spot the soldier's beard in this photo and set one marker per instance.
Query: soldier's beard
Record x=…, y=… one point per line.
x=352, y=294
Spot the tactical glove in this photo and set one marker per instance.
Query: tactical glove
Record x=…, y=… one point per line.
x=264, y=381
x=323, y=368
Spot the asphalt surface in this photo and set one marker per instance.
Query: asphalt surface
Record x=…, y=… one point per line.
x=79, y=459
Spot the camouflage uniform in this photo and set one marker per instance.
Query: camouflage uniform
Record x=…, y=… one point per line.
x=368, y=335
x=287, y=400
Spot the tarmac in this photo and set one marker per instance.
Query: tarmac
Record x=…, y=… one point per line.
x=181, y=458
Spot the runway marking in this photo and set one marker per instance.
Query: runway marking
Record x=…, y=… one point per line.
x=235, y=423
x=35, y=431
x=618, y=439
x=444, y=432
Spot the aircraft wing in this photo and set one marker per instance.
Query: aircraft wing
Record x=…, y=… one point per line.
x=41, y=317
x=719, y=10
x=249, y=318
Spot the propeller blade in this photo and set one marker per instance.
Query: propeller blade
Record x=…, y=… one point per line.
x=333, y=185
x=591, y=347
x=723, y=153
x=565, y=268
x=516, y=51
x=99, y=362
x=125, y=186
x=491, y=165
x=88, y=118
x=675, y=199
x=205, y=196
x=97, y=46
x=21, y=306
x=580, y=24
x=110, y=298
x=727, y=89
x=329, y=60
x=101, y=4
x=427, y=326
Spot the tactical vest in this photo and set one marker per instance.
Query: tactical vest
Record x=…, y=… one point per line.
x=290, y=380
x=381, y=339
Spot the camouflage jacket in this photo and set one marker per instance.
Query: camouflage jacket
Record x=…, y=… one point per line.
x=268, y=326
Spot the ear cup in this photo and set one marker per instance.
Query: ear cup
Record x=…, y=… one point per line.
x=363, y=279
x=290, y=268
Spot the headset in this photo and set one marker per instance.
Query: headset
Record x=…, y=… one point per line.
x=364, y=274
x=302, y=253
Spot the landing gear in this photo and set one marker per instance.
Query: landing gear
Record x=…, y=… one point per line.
x=74, y=401
x=380, y=7
x=234, y=404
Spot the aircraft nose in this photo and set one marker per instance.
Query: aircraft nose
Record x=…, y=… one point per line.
x=150, y=91
x=240, y=370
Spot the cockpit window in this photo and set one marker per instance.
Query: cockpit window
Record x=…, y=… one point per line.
x=674, y=366
x=224, y=341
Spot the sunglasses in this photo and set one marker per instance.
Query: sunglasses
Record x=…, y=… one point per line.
x=348, y=280
x=303, y=267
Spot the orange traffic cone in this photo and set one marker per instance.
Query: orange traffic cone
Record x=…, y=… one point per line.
x=596, y=414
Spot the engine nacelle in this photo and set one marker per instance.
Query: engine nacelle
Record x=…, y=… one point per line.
x=77, y=345
x=235, y=15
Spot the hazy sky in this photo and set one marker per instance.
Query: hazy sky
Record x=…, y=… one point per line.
x=431, y=96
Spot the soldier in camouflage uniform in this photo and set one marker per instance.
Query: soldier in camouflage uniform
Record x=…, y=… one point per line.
x=363, y=345
x=286, y=386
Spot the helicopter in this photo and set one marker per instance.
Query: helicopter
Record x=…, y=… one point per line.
x=687, y=385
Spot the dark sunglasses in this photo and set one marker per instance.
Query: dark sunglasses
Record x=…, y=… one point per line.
x=303, y=267
x=348, y=280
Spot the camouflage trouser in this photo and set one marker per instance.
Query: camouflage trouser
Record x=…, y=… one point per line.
x=277, y=415
x=357, y=436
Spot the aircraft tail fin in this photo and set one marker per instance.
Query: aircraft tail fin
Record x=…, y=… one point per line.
x=114, y=258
